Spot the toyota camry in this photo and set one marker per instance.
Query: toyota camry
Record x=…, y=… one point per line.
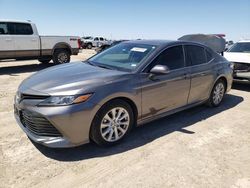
x=127, y=85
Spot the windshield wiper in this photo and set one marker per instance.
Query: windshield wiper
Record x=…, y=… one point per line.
x=100, y=65
x=90, y=63
x=104, y=66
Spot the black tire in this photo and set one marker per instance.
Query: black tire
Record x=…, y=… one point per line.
x=89, y=46
x=95, y=132
x=61, y=56
x=44, y=61
x=211, y=101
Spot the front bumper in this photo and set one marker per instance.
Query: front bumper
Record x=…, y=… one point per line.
x=244, y=76
x=241, y=71
x=53, y=142
x=73, y=122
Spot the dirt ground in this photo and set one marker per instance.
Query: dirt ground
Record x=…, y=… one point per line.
x=200, y=147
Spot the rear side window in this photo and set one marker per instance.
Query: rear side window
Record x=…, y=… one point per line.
x=3, y=29
x=172, y=57
x=209, y=56
x=195, y=55
x=20, y=29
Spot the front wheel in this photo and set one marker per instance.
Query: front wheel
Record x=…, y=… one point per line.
x=61, y=56
x=112, y=123
x=89, y=46
x=217, y=94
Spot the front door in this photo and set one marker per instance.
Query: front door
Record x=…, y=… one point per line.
x=162, y=93
x=7, y=48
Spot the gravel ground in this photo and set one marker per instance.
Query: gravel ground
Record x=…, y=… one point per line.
x=200, y=147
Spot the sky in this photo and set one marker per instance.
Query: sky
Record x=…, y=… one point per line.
x=133, y=19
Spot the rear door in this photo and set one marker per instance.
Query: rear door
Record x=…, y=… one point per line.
x=27, y=43
x=202, y=73
x=7, y=48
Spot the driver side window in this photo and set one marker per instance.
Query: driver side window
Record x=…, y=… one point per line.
x=172, y=57
x=3, y=29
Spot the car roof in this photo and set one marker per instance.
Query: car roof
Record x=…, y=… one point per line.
x=248, y=40
x=164, y=42
x=15, y=21
x=150, y=42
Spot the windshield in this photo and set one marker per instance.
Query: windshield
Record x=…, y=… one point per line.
x=243, y=47
x=124, y=56
x=87, y=37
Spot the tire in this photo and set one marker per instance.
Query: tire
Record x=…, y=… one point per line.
x=217, y=94
x=61, y=56
x=105, y=130
x=44, y=61
x=89, y=46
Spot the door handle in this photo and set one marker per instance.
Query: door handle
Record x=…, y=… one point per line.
x=203, y=74
x=33, y=39
x=187, y=76
x=8, y=39
x=198, y=75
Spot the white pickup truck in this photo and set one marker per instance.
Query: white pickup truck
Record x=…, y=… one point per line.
x=20, y=40
x=239, y=55
x=89, y=42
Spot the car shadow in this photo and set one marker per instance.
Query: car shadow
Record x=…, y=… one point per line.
x=243, y=86
x=144, y=134
x=12, y=70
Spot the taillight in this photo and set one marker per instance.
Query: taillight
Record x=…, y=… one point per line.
x=79, y=43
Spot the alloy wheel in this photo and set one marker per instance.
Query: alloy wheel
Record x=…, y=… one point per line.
x=62, y=58
x=115, y=124
x=218, y=93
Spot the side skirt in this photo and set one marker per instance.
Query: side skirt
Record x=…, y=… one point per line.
x=147, y=120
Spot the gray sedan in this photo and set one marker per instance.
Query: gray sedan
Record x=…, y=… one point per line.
x=127, y=85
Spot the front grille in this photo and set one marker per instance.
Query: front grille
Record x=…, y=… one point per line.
x=38, y=97
x=241, y=66
x=38, y=125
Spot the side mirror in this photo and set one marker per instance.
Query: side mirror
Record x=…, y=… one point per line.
x=160, y=69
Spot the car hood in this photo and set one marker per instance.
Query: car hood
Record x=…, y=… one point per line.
x=68, y=79
x=237, y=57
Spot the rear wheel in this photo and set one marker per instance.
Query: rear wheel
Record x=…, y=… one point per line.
x=112, y=123
x=217, y=93
x=61, y=56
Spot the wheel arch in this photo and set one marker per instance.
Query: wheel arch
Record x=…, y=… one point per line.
x=131, y=104
x=222, y=77
x=62, y=45
x=124, y=98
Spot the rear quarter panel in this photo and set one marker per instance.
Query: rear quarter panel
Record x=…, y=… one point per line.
x=49, y=42
x=223, y=69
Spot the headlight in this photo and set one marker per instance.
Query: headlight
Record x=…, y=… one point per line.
x=232, y=65
x=64, y=100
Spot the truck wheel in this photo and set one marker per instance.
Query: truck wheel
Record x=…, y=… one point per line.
x=61, y=56
x=44, y=61
x=89, y=46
